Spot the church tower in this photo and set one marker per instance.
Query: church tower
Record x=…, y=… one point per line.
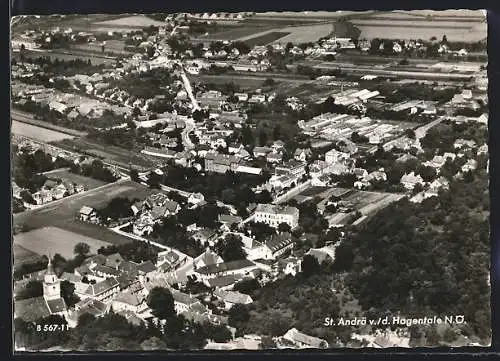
x=51, y=284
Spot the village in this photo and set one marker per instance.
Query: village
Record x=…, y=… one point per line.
x=225, y=184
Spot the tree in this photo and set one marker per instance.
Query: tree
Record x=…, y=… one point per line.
x=427, y=173
x=231, y=248
x=247, y=286
x=32, y=289
x=410, y=133
x=268, y=82
x=310, y=265
x=238, y=315
x=153, y=343
x=68, y=293
x=136, y=112
x=161, y=302
x=134, y=175
x=284, y=227
x=81, y=248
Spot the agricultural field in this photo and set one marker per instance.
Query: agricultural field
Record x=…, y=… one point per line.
x=265, y=38
x=116, y=155
x=369, y=202
x=296, y=34
x=94, y=59
x=38, y=133
x=66, y=175
x=126, y=24
x=239, y=32
x=63, y=214
x=55, y=240
x=112, y=46
x=23, y=255
x=421, y=29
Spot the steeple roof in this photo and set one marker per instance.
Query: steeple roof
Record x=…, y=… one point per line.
x=50, y=268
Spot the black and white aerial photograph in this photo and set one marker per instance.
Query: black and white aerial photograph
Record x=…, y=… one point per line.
x=250, y=181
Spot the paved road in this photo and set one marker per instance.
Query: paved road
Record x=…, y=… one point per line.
x=422, y=131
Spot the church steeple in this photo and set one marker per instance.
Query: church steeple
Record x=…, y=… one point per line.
x=51, y=283
x=50, y=268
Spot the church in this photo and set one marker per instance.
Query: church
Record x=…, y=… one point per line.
x=51, y=303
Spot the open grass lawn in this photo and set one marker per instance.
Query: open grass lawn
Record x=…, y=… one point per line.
x=55, y=240
x=64, y=214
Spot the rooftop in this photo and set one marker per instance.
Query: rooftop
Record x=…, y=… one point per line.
x=277, y=209
x=226, y=266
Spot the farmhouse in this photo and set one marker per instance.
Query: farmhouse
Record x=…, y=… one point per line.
x=301, y=340
x=231, y=298
x=88, y=214
x=236, y=268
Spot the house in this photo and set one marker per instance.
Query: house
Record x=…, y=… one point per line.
x=227, y=219
x=16, y=190
x=292, y=168
x=321, y=181
x=261, y=151
x=274, y=215
x=322, y=253
x=378, y=175
x=207, y=258
x=469, y=166
x=242, y=97
x=146, y=268
x=335, y=156
x=279, y=182
x=169, y=260
x=409, y=181
x=302, y=154
x=172, y=208
x=127, y=301
x=236, y=268
x=105, y=272
x=205, y=236
x=277, y=245
x=102, y=291
x=88, y=214
x=278, y=146
x=59, y=191
x=231, y=298
x=183, y=302
x=463, y=143
x=301, y=340
x=222, y=282
x=274, y=157
x=195, y=198
x=235, y=148
x=220, y=163
x=288, y=266
x=128, y=267
x=42, y=197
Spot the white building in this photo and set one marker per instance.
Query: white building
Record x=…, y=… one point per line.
x=274, y=215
